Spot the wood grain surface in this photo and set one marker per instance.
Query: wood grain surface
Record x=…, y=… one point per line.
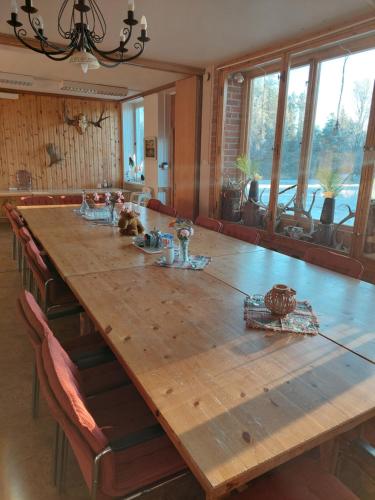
x=235, y=402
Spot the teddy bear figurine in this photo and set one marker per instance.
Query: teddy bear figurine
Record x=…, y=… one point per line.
x=129, y=223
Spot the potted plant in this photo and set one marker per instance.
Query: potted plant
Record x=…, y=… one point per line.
x=332, y=181
x=231, y=200
x=251, y=175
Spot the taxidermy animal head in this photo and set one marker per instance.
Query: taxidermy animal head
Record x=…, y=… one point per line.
x=81, y=122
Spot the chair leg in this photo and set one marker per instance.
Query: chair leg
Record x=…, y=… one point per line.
x=14, y=246
x=35, y=393
x=19, y=256
x=61, y=476
x=56, y=455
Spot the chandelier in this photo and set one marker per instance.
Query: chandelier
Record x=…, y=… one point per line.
x=84, y=30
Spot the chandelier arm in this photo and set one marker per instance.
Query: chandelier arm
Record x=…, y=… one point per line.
x=98, y=17
x=103, y=53
x=64, y=34
x=50, y=55
x=138, y=46
x=22, y=33
x=34, y=23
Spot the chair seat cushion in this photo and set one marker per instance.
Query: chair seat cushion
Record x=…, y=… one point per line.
x=302, y=479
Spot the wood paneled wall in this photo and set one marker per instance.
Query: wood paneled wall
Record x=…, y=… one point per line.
x=28, y=124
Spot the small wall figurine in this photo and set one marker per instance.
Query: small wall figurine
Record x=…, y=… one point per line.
x=129, y=223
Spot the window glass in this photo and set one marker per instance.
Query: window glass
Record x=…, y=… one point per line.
x=262, y=126
x=339, y=133
x=292, y=143
x=133, y=141
x=370, y=231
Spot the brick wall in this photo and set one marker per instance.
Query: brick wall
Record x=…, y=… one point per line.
x=231, y=133
x=232, y=128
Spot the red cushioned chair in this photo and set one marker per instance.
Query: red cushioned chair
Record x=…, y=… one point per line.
x=120, y=447
x=53, y=294
x=167, y=210
x=98, y=368
x=154, y=204
x=24, y=236
x=70, y=199
x=37, y=200
x=241, y=232
x=213, y=224
x=16, y=222
x=302, y=479
x=334, y=261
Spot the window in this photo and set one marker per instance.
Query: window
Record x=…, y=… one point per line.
x=370, y=231
x=339, y=131
x=133, y=139
x=326, y=121
x=248, y=137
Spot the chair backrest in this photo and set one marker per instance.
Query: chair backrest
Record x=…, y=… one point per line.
x=167, y=210
x=81, y=450
x=241, y=232
x=34, y=318
x=335, y=262
x=39, y=268
x=213, y=224
x=154, y=204
x=65, y=383
x=70, y=199
x=37, y=200
x=15, y=221
x=7, y=207
x=24, y=235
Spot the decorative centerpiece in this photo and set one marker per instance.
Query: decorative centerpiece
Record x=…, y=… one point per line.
x=84, y=205
x=129, y=223
x=110, y=201
x=280, y=300
x=184, y=230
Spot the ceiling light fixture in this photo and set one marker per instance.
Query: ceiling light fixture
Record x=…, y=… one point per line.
x=85, y=30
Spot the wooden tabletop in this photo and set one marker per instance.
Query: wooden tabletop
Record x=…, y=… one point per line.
x=78, y=246
x=344, y=306
x=235, y=402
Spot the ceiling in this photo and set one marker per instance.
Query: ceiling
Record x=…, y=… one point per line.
x=189, y=32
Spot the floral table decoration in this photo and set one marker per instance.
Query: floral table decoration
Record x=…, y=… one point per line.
x=184, y=230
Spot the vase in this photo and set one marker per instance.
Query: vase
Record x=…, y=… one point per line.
x=280, y=300
x=113, y=219
x=328, y=211
x=184, y=250
x=84, y=205
x=254, y=190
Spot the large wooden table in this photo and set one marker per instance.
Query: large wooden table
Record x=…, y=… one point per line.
x=235, y=402
x=77, y=246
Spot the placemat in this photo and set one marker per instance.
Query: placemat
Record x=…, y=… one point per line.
x=301, y=321
x=196, y=263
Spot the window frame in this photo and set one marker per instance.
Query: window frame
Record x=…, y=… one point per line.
x=312, y=55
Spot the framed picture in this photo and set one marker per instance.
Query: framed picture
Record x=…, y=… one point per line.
x=151, y=148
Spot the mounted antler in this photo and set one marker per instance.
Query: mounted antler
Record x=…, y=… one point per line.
x=98, y=122
x=81, y=122
x=339, y=245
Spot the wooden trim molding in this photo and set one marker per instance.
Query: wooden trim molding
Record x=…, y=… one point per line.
x=155, y=90
x=141, y=62
x=349, y=28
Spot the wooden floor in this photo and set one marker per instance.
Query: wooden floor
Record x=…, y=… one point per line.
x=26, y=445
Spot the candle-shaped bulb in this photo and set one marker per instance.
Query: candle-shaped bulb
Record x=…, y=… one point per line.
x=131, y=5
x=122, y=36
x=40, y=22
x=14, y=7
x=143, y=23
